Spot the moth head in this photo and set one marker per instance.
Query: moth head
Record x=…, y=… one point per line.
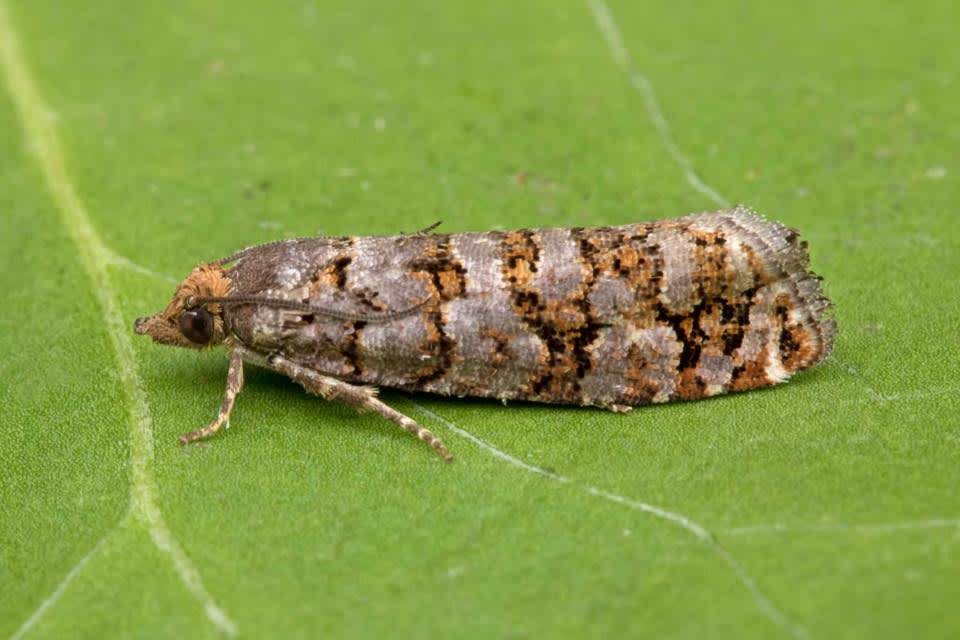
x=187, y=321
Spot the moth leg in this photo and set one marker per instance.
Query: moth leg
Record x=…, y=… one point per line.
x=234, y=385
x=361, y=397
x=619, y=408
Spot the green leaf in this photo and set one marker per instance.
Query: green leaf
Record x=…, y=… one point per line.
x=141, y=140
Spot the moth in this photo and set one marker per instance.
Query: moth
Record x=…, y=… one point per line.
x=609, y=317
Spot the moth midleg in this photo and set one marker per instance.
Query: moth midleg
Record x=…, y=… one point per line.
x=234, y=385
x=361, y=397
x=618, y=408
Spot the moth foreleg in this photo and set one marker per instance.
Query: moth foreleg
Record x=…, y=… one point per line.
x=234, y=385
x=361, y=397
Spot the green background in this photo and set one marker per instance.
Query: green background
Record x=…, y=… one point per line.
x=190, y=129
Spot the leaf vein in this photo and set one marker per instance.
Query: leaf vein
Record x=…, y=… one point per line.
x=38, y=122
x=696, y=529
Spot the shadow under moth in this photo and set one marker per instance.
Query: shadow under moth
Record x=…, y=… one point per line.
x=610, y=317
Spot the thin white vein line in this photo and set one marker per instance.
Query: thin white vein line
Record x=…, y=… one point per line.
x=51, y=600
x=41, y=136
x=876, y=398
x=839, y=527
x=608, y=27
x=122, y=261
x=698, y=530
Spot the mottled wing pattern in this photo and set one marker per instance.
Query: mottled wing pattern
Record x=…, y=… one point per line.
x=627, y=315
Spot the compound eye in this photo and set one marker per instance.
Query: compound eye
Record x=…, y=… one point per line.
x=197, y=325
